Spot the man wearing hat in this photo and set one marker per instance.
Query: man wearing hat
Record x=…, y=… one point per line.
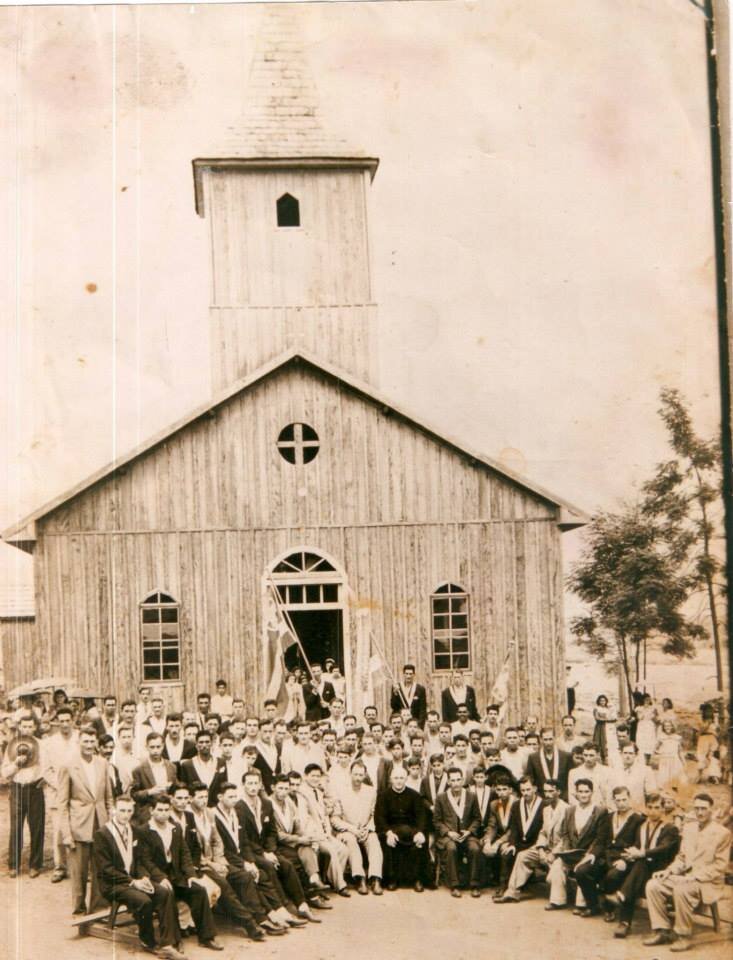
x=22, y=768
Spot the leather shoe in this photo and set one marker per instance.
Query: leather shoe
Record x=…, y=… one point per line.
x=211, y=944
x=296, y=921
x=362, y=887
x=659, y=938
x=681, y=944
x=455, y=892
x=344, y=892
x=170, y=953
x=506, y=899
x=33, y=873
x=555, y=906
x=57, y=876
x=475, y=893
x=392, y=885
x=319, y=904
x=12, y=874
x=622, y=931
x=419, y=886
x=377, y=887
x=255, y=932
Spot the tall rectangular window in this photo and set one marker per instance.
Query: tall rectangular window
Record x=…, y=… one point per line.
x=161, y=641
x=450, y=628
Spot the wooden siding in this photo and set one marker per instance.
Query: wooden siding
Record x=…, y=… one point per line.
x=92, y=584
x=224, y=472
x=21, y=657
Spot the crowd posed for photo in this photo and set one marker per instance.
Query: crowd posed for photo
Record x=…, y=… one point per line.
x=267, y=816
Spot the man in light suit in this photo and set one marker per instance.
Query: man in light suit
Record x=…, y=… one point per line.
x=151, y=779
x=456, y=820
x=696, y=875
x=84, y=797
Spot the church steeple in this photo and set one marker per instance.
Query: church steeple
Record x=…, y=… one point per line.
x=287, y=204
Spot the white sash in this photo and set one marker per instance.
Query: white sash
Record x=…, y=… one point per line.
x=459, y=805
x=122, y=845
x=227, y=823
x=504, y=814
x=483, y=800
x=647, y=839
x=528, y=816
x=203, y=825
x=555, y=765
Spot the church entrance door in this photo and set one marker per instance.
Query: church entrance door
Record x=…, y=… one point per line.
x=312, y=593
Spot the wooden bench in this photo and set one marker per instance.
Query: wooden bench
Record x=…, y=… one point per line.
x=110, y=923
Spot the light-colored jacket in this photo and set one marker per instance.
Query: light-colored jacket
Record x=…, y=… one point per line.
x=78, y=803
x=552, y=820
x=704, y=855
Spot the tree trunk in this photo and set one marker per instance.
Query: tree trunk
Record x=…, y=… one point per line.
x=624, y=659
x=637, y=656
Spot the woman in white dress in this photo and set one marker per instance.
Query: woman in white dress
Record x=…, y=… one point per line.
x=670, y=755
x=646, y=727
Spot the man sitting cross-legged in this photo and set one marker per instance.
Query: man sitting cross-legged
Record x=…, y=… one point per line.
x=525, y=823
x=238, y=895
x=655, y=846
x=456, y=820
x=580, y=850
x=168, y=862
x=539, y=855
x=258, y=822
x=696, y=875
x=292, y=843
x=353, y=819
x=400, y=818
x=318, y=827
x=624, y=825
x=240, y=857
x=124, y=878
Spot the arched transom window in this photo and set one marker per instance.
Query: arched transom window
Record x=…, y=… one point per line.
x=450, y=628
x=161, y=640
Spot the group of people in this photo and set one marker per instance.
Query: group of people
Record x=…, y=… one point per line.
x=263, y=819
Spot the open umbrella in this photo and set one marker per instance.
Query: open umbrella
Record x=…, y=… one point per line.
x=41, y=685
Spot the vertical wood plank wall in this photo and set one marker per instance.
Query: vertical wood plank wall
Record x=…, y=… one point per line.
x=204, y=515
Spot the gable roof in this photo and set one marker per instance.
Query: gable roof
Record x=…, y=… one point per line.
x=22, y=533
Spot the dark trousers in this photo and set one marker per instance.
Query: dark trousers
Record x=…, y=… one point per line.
x=246, y=891
x=26, y=803
x=632, y=888
x=161, y=902
x=405, y=863
x=198, y=901
x=450, y=855
x=283, y=879
x=588, y=876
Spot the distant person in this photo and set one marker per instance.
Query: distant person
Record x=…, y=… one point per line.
x=456, y=694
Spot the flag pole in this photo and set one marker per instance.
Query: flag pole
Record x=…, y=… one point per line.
x=288, y=622
x=388, y=668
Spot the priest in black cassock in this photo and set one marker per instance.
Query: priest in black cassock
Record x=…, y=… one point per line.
x=400, y=818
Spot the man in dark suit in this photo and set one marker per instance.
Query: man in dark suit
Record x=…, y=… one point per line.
x=168, y=862
x=654, y=847
x=123, y=878
x=497, y=833
x=433, y=783
x=409, y=695
x=623, y=827
x=549, y=763
x=151, y=779
x=458, y=692
x=258, y=825
x=268, y=758
x=317, y=694
x=203, y=768
x=456, y=820
x=483, y=794
x=525, y=823
x=581, y=850
x=175, y=747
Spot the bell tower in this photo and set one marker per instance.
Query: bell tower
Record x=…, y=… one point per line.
x=287, y=211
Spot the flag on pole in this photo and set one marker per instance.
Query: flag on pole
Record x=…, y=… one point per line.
x=500, y=690
x=280, y=638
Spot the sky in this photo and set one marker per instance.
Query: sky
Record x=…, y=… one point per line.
x=540, y=225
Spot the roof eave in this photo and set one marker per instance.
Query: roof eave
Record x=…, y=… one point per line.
x=276, y=163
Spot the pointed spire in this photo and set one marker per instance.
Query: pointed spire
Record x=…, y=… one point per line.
x=281, y=117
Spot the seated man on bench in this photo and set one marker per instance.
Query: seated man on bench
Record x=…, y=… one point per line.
x=123, y=878
x=695, y=876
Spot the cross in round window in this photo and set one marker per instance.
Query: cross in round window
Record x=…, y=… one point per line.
x=298, y=443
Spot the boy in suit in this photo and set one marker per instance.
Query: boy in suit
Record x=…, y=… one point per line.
x=123, y=878
x=84, y=796
x=456, y=821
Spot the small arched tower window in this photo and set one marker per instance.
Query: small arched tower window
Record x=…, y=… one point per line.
x=288, y=211
x=161, y=640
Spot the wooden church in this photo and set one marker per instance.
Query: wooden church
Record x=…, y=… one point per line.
x=299, y=479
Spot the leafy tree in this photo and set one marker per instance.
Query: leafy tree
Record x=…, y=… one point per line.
x=632, y=590
x=683, y=500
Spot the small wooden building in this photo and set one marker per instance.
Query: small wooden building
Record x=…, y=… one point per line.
x=298, y=480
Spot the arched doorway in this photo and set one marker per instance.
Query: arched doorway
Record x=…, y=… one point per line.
x=311, y=592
